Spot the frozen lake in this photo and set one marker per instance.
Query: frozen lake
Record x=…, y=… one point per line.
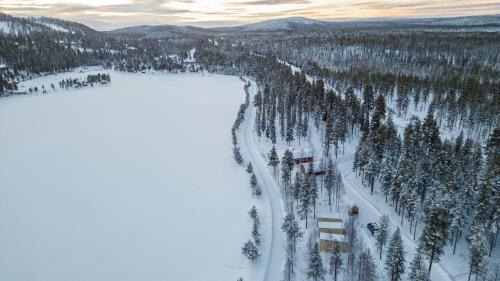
x=130, y=181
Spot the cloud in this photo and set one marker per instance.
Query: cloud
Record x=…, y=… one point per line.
x=209, y=13
x=272, y=2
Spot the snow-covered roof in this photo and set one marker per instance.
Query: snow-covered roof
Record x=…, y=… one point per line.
x=332, y=237
x=328, y=215
x=301, y=153
x=330, y=224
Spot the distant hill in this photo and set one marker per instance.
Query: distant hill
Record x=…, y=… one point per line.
x=17, y=25
x=285, y=24
x=158, y=30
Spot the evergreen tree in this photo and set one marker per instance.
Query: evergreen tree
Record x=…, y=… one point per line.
x=378, y=113
x=434, y=235
x=418, y=271
x=254, y=214
x=254, y=185
x=250, y=251
x=297, y=188
x=237, y=155
x=335, y=260
x=257, y=128
x=273, y=159
x=478, y=241
x=329, y=180
x=368, y=101
x=367, y=267
x=249, y=168
x=286, y=168
x=395, y=258
x=255, y=233
x=292, y=231
x=312, y=187
x=305, y=198
x=316, y=271
x=382, y=233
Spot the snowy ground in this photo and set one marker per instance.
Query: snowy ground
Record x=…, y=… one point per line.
x=130, y=181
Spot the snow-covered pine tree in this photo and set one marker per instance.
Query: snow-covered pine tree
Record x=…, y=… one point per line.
x=387, y=171
x=237, y=155
x=418, y=271
x=297, y=188
x=254, y=185
x=316, y=271
x=378, y=112
x=368, y=101
x=327, y=138
x=434, y=235
x=458, y=212
x=250, y=251
x=329, y=181
x=258, y=191
x=292, y=231
x=249, y=168
x=286, y=168
x=335, y=260
x=382, y=233
x=274, y=160
x=367, y=268
x=257, y=123
x=395, y=257
x=478, y=240
x=289, y=131
x=254, y=214
x=313, y=189
x=262, y=126
x=256, y=233
x=305, y=199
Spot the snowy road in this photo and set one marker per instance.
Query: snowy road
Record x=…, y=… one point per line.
x=274, y=243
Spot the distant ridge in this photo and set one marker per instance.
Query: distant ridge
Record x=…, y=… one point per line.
x=15, y=25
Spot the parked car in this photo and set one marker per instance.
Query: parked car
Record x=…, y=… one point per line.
x=372, y=227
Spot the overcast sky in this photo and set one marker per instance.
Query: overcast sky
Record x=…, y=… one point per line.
x=109, y=14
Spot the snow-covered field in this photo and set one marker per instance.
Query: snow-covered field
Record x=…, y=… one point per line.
x=130, y=181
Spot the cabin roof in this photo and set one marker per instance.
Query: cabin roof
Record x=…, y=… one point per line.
x=331, y=237
x=301, y=153
x=329, y=215
x=330, y=224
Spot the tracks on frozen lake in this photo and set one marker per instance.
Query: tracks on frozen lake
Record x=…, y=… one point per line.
x=273, y=244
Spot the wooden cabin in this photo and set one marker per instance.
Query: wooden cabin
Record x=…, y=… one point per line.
x=328, y=240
